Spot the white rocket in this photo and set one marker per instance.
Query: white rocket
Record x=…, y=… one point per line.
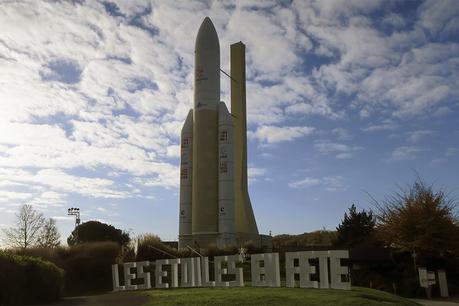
x=207, y=190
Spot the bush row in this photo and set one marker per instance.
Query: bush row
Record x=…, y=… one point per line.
x=87, y=266
x=24, y=280
x=151, y=248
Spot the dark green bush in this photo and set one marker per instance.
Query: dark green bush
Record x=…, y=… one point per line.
x=87, y=265
x=95, y=231
x=26, y=280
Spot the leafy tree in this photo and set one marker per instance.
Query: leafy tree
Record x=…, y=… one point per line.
x=96, y=231
x=419, y=220
x=28, y=227
x=357, y=228
x=49, y=235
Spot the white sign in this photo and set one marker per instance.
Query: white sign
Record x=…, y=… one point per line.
x=431, y=278
x=423, y=277
x=265, y=271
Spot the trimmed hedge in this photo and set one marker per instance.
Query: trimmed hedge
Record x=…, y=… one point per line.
x=87, y=266
x=26, y=280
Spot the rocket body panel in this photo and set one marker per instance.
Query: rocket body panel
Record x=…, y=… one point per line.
x=205, y=130
x=226, y=222
x=186, y=162
x=205, y=172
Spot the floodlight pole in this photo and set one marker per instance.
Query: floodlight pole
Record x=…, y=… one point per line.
x=75, y=211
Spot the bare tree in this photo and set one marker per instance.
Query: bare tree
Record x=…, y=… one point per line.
x=28, y=228
x=49, y=235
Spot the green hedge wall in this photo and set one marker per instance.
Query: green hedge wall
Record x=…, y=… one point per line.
x=87, y=266
x=26, y=280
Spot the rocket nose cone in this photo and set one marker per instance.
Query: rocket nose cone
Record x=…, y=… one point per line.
x=207, y=38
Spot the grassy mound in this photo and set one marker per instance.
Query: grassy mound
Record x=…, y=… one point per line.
x=273, y=296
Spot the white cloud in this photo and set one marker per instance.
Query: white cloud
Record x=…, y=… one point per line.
x=63, y=218
x=405, y=152
x=61, y=181
x=7, y=196
x=385, y=126
x=394, y=20
x=255, y=173
x=389, y=72
x=329, y=183
x=451, y=152
x=416, y=136
x=173, y=151
x=439, y=17
x=341, y=151
x=49, y=198
x=275, y=134
x=306, y=182
x=342, y=134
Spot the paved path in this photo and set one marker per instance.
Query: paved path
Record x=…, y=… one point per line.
x=435, y=302
x=108, y=299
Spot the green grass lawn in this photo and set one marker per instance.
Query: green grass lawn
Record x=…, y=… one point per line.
x=272, y=296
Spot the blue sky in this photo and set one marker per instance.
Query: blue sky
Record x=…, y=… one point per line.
x=345, y=99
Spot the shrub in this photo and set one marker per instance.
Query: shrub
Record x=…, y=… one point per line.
x=212, y=250
x=28, y=280
x=151, y=248
x=87, y=265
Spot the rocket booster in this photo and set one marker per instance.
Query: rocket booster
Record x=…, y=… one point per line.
x=186, y=161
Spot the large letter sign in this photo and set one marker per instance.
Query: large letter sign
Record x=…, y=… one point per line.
x=116, y=279
x=128, y=275
x=205, y=273
x=145, y=275
x=159, y=273
x=337, y=270
x=269, y=274
x=311, y=267
x=187, y=272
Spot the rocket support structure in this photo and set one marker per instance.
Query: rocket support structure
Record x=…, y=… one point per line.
x=245, y=219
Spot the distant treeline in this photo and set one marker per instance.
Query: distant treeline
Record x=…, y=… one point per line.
x=322, y=238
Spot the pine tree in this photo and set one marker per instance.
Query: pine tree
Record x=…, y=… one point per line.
x=356, y=229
